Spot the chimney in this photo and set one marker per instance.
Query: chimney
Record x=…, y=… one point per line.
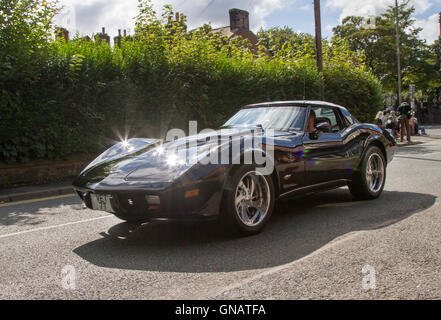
x=239, y=19
x=125, y=33
x=177, y=16
x=103, y=37
x=62, y=34
x=117, y=39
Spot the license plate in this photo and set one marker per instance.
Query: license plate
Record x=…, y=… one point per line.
x=102, y=202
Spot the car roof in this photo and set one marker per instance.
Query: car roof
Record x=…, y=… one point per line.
x=303, y=103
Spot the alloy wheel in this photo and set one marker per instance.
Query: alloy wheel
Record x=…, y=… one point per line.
x=375, y=172
x=252, y=198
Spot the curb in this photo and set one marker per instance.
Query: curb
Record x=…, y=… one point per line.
x=426, y=140
x=35, y=194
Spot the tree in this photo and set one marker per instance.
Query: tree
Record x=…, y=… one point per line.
x=379, y=47
x=276, y=39
x=26, y=21
x=284, y=43
x=436, y=49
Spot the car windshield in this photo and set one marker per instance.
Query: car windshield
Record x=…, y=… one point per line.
x=276, y=118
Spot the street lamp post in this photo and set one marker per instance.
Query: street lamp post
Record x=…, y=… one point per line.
x=397, y=22
x=439, y=43
x=318, y=36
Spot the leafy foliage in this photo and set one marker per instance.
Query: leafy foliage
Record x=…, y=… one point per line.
x=78, y=97
x=347, y=81
x=379, y=47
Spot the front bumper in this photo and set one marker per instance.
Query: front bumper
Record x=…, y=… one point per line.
x=175, y=202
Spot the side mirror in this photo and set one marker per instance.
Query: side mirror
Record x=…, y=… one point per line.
x=323, y=127
x=314, y=135
x=320, y=128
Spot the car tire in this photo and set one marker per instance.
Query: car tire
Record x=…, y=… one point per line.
x=368, y=182
x=239, y=208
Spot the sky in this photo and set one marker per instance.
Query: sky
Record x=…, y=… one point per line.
x=89, y=16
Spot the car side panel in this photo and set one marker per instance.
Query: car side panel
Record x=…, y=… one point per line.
x=325, y=158
x=338, y=156
x=290, y=164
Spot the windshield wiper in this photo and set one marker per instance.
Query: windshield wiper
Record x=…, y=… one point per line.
x=259, y=126
x=292, y=130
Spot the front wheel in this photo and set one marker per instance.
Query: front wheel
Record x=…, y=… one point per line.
x=248, y=202
x=368, y=183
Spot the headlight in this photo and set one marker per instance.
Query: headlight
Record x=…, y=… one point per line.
x=184, y=156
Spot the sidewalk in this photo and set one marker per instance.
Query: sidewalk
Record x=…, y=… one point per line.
x=418, y=140
x=35, y=192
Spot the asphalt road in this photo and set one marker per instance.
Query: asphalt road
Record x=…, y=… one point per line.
x=314, y=248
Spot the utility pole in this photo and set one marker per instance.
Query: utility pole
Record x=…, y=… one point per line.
x=439, y=43
x=397, y=22
x=318, y=42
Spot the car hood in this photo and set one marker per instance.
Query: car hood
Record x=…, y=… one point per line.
x=164, y=163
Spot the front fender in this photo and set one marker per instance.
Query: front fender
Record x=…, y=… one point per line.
x=256, y=156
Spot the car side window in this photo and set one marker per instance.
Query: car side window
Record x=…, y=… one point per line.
x=329, y=115
x=342, y=120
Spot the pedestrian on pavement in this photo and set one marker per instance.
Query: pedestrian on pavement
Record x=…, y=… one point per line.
x=415, y=125
x=378, y=120
x=394, y=118
x=381, y=119
x=391, y=124
x=412, y=124
x=404, y=112
x=425, y=108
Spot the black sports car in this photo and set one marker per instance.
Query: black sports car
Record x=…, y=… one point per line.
x=265, y=152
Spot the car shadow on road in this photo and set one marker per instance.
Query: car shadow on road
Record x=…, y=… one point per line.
x=297, y=228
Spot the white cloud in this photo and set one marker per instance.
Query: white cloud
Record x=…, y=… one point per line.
x=371, y=7
x=430, y=28
x=377, y=7
x=91, y=15
x=329, y=28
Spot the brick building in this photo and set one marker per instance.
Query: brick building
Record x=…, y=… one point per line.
x=239, y=27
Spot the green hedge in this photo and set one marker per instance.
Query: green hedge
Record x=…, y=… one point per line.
x=81, y=97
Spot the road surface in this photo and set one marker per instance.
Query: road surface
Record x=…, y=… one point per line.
x=324, y=246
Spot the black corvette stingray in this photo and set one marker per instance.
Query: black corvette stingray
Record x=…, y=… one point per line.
x=265, y=152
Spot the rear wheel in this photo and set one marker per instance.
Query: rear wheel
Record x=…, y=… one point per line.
x=368, y=183
x=248, y=202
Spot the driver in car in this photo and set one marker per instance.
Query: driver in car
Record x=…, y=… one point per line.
x=311, y=122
